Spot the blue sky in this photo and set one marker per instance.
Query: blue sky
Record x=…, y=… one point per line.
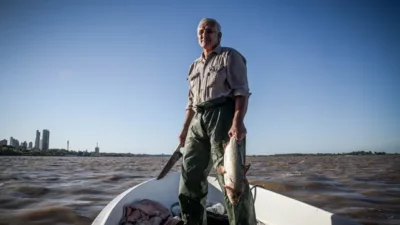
x=324, y=75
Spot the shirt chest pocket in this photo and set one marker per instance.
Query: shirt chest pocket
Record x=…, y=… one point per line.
x=216, y=76
x=194, y=81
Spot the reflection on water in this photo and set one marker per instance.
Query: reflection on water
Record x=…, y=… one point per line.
x=72, y=190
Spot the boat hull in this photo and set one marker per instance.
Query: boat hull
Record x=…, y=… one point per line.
x=271, y=208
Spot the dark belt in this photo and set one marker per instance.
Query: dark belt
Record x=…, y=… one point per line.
x=214, y=103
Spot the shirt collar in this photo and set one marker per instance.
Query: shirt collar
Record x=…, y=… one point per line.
x=216, y=50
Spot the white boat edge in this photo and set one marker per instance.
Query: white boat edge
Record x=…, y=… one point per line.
x=271, y=208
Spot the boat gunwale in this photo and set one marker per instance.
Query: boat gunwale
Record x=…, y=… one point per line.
x=102, y=217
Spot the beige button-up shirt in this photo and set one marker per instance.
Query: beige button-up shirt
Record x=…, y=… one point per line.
x=222, y=73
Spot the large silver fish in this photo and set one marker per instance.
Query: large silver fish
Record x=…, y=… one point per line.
x=234, y=171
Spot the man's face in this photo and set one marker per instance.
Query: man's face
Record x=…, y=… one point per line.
x=207, y=35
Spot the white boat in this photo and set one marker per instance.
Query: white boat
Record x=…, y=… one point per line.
x=271, y=208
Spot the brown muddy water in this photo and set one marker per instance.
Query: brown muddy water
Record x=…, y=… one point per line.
x=73, y=190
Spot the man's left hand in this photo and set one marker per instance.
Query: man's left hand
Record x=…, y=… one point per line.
x=238, y=131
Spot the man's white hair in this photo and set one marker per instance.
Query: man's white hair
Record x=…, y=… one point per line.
x=212, y=21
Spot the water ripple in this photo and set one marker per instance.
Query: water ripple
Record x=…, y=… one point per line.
x=73, y=190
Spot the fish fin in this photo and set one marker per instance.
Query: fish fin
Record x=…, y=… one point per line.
x=246, y=168
x=224, y=146
x=221, y=169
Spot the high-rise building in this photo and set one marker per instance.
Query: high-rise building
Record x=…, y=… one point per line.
x=3, y=142
x=46, y=139
x=14, y=142
x=37, y=140
x=30, y=145
x=97, y=149
x=24, y=145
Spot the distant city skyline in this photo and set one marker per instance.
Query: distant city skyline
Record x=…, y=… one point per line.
x=42, y=144
x=29, y=145
x=324, y=75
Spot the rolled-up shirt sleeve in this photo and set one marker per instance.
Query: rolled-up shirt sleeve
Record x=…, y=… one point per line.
x=189, y=104
x=237, y=73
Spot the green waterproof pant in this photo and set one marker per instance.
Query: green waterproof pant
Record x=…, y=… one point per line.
x=207, y=134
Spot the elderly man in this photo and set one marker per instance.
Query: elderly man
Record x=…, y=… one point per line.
x=217, y=104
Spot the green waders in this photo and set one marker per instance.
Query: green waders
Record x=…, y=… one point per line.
x=207, y=133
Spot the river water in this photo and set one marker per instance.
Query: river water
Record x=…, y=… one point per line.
x=73, y=190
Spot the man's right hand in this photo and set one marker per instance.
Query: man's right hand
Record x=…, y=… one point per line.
x=182, y=137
